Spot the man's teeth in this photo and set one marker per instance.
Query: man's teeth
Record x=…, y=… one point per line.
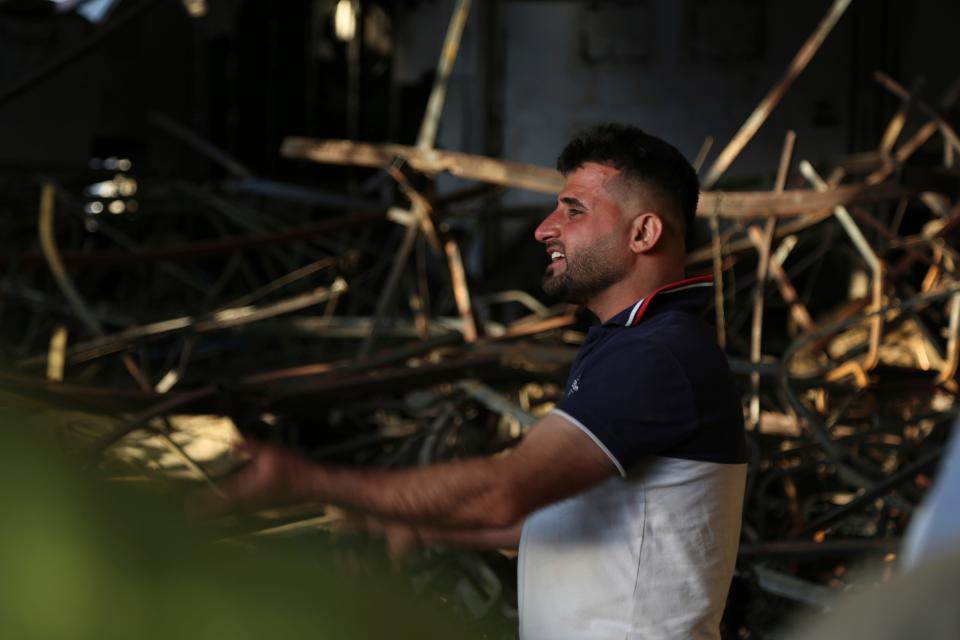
x=556, y=255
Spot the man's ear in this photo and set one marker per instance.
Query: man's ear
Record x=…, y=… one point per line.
x=645, y=232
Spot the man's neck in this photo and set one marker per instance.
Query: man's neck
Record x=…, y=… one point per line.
x=621, y=295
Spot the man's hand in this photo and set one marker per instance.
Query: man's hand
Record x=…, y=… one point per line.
x=400, y=537
x=274, y=476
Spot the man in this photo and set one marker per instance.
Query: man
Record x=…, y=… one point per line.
x=629, y=494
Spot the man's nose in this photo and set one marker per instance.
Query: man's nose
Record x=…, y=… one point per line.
x=547, y=230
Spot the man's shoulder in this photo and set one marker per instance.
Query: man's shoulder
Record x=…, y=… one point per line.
x=673, y=323
x=688, y=337
x=676, y=335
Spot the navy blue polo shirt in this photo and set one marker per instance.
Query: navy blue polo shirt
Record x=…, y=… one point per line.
x=652, y=381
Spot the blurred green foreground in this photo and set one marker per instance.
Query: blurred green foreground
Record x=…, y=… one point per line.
x=84, y=558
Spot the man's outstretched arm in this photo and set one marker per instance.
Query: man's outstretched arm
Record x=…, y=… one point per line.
x=554, y=461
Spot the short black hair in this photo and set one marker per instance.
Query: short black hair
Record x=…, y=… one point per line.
x=640, y=157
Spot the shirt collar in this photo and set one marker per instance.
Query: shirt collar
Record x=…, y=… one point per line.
x=691, y=294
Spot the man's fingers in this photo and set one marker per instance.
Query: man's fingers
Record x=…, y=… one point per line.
x=207, y=503
x=263, y=481
x=211, y=502
x=401, y=539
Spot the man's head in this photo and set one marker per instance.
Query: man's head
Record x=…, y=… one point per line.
x=627, y=202
x=651, y=170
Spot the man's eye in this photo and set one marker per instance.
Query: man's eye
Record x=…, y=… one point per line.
x=575, y=212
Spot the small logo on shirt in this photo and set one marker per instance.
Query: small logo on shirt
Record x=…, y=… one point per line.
x=574, y=387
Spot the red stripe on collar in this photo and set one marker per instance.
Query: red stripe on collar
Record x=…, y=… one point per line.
x=696, y=281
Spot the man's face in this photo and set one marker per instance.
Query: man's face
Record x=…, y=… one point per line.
x=586, y=237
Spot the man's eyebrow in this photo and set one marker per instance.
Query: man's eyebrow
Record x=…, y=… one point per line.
x=572, y=202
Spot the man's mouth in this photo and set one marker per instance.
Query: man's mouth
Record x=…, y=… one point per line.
x=555, y=253
x=557, y=258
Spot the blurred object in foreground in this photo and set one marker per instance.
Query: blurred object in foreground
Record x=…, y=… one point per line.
x=935, y=529
x=918, y=604
x=87, y=559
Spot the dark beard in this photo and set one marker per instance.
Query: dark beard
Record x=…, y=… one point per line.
x=586, y=276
